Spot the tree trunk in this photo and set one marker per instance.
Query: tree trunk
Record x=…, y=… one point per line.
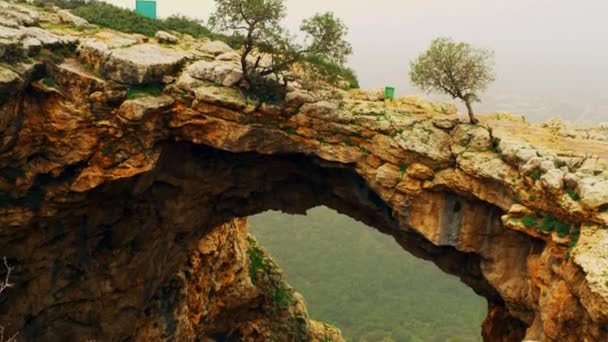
x=467, y=101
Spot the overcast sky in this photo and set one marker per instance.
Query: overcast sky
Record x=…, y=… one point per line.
x=551, y=55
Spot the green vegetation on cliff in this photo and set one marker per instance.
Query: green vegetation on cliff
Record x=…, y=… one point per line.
x=364, y=283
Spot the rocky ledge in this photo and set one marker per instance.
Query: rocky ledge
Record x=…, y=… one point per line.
x=127, y=166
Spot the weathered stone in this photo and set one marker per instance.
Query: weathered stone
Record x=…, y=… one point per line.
x=140, y=64
x=222, y=96
x=593, y=192
x=9, y=82
x=445, y=123
x=137, y=109
x=388, y=175
x=215, y=47
x=68, y=18
x=15, y=15
x=45, y=37
x=553, y=180
x=471, y=138
x=92, y=51
x=160, y=195
x=226, y=74
x=232, y=56
x=166, y=38
x=31, y=46
x=297, y=98
x=420, y=171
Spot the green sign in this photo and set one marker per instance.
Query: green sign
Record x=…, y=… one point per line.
x=389, y=93
x=146, y=8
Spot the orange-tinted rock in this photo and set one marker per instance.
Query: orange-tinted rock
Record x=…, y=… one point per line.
x=122, y=218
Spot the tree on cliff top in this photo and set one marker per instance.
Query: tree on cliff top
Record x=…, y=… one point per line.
x=454, y=68
x=259, y=22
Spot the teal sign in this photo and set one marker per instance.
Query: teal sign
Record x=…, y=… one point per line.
x=146, y=8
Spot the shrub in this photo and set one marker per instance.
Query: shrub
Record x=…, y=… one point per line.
x=125, y=20
x=49, y=82
x=536, y=174
x=574, y=195
x=548, y=224
x=529, y=221
x=562, y=229
x=153, y=89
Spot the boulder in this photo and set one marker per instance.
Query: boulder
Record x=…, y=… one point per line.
x=166, y=38
x=297, y=98
x=91, y=51
x=140, y=64
x=593, y=192
x=136, y=109
x=446, y=122
x=44, y=36
x=222, y=96
x=471, y=138
x=215, y=47
x=419, y=171
x=229, y=57
x=224, y=73
x=388, y=175
x=553, y=180
x=9, y=82
x=10, y=33
x=67, y=17
x=14, y=15
x=31, y=46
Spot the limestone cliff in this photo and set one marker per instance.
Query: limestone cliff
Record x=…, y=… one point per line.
x=126, y=168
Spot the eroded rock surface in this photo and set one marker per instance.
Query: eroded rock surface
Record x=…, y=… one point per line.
x=121, y=202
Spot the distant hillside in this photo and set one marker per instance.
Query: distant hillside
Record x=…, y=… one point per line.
x=364, y=283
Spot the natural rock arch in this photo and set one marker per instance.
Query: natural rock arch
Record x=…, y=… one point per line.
x=124, y=242
x=119, y=207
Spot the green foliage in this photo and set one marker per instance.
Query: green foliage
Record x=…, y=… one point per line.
x=562, y=229
x=453, y=68
x=262, y=273
x=536, y=174
x=532, y=198
x=121, y=19
x=548, y=224
x=529, y=221
x=259, y=23
x=152, y=89
x=348, y=142
x=574, y=195
x=125, y=20
x=330, y=71
x=365, y=150
x=403, y=169
x=49, y=82
x=364, y=283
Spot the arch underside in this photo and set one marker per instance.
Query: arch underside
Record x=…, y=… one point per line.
x=111, y=262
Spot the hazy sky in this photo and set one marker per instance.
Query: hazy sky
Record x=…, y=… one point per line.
x=551, y=55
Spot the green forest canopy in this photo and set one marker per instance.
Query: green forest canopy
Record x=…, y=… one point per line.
x=363, y=282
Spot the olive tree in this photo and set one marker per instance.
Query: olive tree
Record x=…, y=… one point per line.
x=259, y=23
x=454, y=68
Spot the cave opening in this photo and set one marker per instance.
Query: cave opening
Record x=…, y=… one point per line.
x=125, y=260
x=364, y=283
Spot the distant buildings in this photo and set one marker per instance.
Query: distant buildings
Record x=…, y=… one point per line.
x=146, y=8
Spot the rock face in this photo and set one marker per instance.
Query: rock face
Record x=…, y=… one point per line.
x=122, y=205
